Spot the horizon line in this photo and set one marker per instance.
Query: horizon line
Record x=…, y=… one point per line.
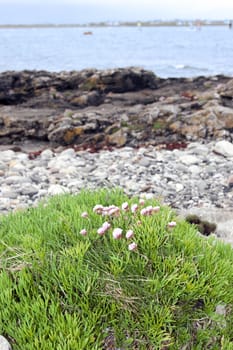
x=115, y=23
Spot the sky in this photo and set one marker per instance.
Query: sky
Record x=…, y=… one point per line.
x=85, y=11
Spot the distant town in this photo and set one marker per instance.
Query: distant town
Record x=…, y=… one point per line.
x=154, y=23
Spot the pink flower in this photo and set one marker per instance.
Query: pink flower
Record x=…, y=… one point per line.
x=125, y=206
x=84, y=214
x=101, y=231
x=98, y=209
x=171, y=224
x=133, y=246
x=141, y=201
x=106, y=225
x=105, y=211
x=114, y=211
x=129, y=234
x=147, y=211
x=83, y=232
x=117, y=233
x=156, y=209
x=144, y=212
x=134, y=208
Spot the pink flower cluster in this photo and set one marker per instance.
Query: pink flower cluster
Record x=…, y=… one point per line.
x=171, y=224
x=104, y=228
x=147, y=211
x=113, y=212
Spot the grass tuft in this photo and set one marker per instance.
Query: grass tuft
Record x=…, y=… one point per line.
x=66, y=286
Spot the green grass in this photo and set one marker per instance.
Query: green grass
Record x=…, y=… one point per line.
x=61, y=290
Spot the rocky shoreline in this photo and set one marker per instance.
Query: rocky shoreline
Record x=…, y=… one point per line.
x=94, y=109
x=170, y=138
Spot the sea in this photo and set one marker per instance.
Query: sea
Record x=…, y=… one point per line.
x=167, y=51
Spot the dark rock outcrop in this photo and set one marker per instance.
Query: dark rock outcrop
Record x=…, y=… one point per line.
x=116, y=107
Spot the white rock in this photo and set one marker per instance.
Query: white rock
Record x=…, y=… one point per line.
x=195, y=169
x=16, y=165
x=198, y=149
x=57, y=189
x=189, y=159
x=224, y=148
x=46, y=154
x=69, y=170
x=3, y=165
x=67, y=154
x=179, y=187
x=57, y=164
x=23, y=157
x=79, y=163
x=4, y=344
x=7, y=155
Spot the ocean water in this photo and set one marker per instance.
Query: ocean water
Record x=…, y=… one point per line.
x=168, y=51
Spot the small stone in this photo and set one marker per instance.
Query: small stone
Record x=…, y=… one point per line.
x=4, y=344
x=69, y=170
x=117, y=139
x=197, y=149
x=16, y=165
x=67, y=154
x=57, y=189
x=189, y=159
x=3, y=166
x=230, y=182
x=28, y=190
x=179, y=187
x=225, y=148
x=7, y=155
x=10, y=194
x=221, y=311
x=16, y=179
x=195, y=169
x=46, y=154
x=145, y=162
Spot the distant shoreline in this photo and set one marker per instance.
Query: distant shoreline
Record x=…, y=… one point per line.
x=181, y=23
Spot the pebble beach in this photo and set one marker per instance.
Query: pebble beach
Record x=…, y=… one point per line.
x=195, y=178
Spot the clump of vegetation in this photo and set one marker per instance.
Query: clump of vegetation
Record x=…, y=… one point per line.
x=102, y=271
x=203, y=226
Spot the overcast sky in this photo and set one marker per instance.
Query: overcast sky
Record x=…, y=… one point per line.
x=83, y=11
